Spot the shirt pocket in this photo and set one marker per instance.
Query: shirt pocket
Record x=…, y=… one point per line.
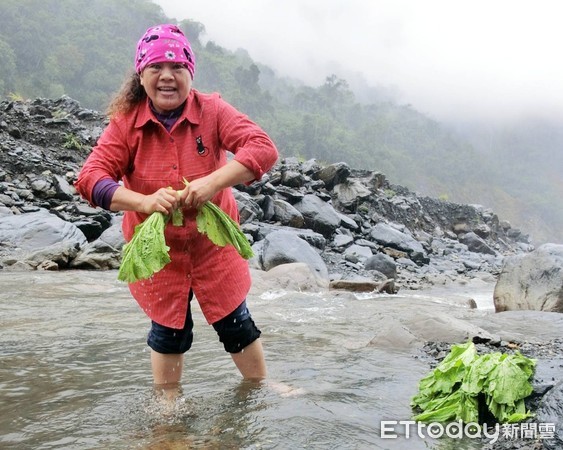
x=199, y=159
x=153, y=165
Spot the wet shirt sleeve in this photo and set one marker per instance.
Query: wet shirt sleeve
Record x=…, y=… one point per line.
x=110, y=159
x=251, y=146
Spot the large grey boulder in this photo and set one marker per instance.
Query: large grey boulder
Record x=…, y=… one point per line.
x=317, y=240
x=286, y=214
x=428, y=325
x=297, y=277
x=357, y=253
x=351, y=193
x=37, y=237
x=532, y=281
x=476, y=244
x=319, y=215
x=283, y=247
x=388, y=236
x=333, y=174
x=382, y=263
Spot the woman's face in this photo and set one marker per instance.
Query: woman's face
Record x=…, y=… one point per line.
x=167, y=84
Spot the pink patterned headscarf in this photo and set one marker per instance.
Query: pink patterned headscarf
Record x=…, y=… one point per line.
x=164, y=43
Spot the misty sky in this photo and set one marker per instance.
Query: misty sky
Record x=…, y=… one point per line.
x=448, y=58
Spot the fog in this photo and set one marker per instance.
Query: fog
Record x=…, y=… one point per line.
x=449, y=59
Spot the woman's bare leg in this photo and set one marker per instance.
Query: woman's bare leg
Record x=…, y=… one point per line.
x=250, y=361
x=166, y=368
x=167, y=372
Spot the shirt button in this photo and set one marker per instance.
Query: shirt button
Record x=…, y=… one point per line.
x=174, y=166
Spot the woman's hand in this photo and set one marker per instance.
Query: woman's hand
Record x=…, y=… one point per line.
x=203, y=189
x=165, y=200
x=198, y=191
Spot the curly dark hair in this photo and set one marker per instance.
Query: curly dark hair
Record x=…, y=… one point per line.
x=129, y=95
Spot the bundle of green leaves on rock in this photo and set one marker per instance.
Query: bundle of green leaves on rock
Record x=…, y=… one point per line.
x=147, y=252
x=465, y=383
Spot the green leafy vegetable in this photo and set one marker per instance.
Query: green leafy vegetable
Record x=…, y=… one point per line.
x=464, y=383
x=147, y=252
x=221, y=229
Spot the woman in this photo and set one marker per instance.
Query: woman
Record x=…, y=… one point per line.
x=162, y=131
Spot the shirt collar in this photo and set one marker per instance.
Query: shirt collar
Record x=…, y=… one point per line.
x=191, y=113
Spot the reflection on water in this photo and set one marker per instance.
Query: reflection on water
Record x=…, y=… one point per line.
x=75, y=374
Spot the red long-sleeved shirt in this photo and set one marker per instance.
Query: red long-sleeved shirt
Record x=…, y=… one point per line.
x=137, y=149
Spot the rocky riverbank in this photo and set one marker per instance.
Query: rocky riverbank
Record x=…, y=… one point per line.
x=352, y=226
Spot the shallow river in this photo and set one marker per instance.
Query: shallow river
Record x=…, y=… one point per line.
x=75, y=374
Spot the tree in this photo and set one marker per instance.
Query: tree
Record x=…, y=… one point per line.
x=193, y=30
x=7, y=67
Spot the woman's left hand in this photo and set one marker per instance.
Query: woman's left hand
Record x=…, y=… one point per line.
x=197, y=192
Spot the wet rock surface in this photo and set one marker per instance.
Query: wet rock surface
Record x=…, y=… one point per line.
x=532, y=281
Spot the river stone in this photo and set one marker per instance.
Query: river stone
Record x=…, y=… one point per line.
x=319, y=215
x=293, y=178
x=317, y=240
x=347, y=222
x=286, y=214
x=33, y=232
x=62, y=187
x=103, y=253
x=532, y=281
x=59, y=254
x=333, y=174
x=350, y=193
x=310, y=166
x=360, y=284
x=342, y=240
x=248, y=209
x=267, y=205
x=395, y=336
x=355, y=285
x=388, y=236
x=551, y=411
x=475, y=243
x=357, y=253
x=296, y=277
x=382, y=263
x=282, y=247
x=432, y=326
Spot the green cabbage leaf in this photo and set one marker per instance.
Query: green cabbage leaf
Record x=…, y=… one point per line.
x=146, y=253
x=221, y=229
x=464, y=384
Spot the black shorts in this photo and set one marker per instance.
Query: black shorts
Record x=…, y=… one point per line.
x=236, y=331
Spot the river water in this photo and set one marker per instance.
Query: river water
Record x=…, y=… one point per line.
x=75, y=374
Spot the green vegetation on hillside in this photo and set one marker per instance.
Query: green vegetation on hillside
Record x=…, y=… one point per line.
x=84, y=48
